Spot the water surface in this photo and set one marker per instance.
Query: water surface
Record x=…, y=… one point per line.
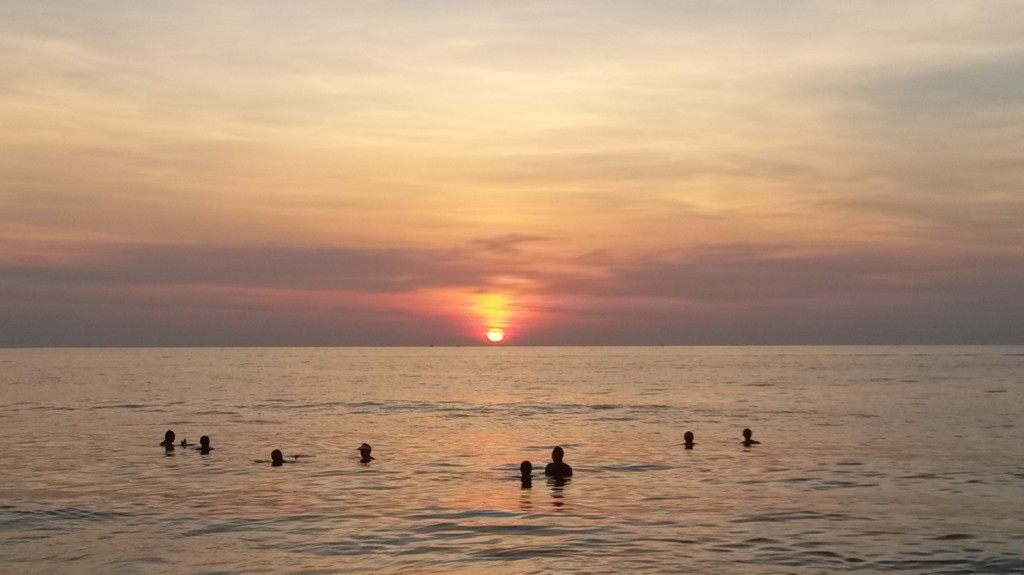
x=873, y=459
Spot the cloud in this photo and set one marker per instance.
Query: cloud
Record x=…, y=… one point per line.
x=507, y=244
x=760, y=294
x=374, y=270
x=725, y=294
x=229, y=171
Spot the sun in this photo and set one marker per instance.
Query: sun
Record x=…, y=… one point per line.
x=495, y=335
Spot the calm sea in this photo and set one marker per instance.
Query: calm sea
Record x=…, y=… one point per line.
x=873, y=459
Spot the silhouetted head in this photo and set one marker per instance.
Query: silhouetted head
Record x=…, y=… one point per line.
x=526, y=474
x=557, y=454
x=747, y=433
x=364, y=451
x=204, y=441
x=688, y=438
x=276, y=457
x=169, y=436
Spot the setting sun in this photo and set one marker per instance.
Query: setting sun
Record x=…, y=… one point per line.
x=493, y=311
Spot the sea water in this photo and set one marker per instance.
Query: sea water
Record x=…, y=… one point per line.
x=872, y=459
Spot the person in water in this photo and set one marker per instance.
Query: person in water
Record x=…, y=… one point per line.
x=526, y=474
x=364, y=451
x=204, y=445
x=688, y=440
x=558, y=468
x=276, y=458
x=168, y=442
x=747, y=441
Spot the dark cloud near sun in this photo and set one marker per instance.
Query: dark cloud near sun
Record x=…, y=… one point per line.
x=344, y=269
x=731, y=294
x=728, y=293
x=222, y=295
x=507, y=244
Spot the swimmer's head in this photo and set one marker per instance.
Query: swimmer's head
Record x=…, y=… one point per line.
x=169, y=436
x=688, y=437
x=747, y=433
x=276, y=457
x=364, y=451
x=526, y=468
x=557, y=454
x=204, y=441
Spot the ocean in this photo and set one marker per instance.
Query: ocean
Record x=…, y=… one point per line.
x=872, y=460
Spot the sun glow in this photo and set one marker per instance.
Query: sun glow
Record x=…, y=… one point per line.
x=494, y=311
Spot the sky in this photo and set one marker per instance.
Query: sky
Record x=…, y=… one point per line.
x=418, y=172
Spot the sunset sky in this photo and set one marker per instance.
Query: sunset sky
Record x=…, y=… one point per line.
x=248, y=172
